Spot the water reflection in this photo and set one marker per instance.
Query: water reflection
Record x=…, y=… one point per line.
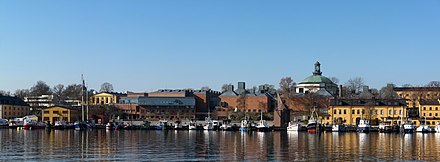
x=102, y=145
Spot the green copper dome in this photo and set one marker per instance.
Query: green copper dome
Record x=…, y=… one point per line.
x=317, y=79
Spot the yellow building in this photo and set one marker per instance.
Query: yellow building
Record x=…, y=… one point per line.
x=105, y=98
x=13, y=107
x=429, y=110
x=413, y=95
x=59, y=113
x=350, y=111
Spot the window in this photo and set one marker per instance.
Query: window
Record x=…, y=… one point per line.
x=381, y=112
x=358, y=112
x=391, y=112
x=55, y=112
x=436, y=108
x=424, y=108
x=430, y=108
x=430, y=114
x=340, y=111
x=334, y=111
x=424, y=114
x=363, y=111
x=65, y=112
x=352, y=111
x=395, y=111
x=345, y=111
x=400, y=111
x=46, y=112
x=436, y=114
x=46, y=119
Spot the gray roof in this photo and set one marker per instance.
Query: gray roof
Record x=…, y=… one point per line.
x=229, y=93
x=8, y=100
x=160, y=101
x=323, y=92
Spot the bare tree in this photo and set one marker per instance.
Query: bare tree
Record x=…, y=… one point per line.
x=354, y=86
x=5, y=93
x=241, y=101
x=58, y=93
x=406, y=85
x=388, y=92
x=41, y=88
x=22, y=93
x=73, y=91
x=334, y=80
x=433, y=84
x=287, y=86
x=106, y=87
x=225, y=87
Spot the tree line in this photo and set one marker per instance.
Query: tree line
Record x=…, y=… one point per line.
x=60, y=92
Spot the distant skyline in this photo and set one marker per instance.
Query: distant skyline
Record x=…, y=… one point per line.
x=148, y=45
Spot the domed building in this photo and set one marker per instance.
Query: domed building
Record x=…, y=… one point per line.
x=317, y=83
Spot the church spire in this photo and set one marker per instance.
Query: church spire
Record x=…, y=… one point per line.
x=317, y=69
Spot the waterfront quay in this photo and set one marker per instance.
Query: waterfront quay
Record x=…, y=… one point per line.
x=141, y=145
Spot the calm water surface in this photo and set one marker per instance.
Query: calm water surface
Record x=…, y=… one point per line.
x=143, y=145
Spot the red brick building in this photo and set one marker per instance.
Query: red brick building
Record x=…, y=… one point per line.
x=244, y=100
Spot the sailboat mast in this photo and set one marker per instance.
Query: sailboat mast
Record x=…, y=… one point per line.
x=87, y=103
x=82, y=98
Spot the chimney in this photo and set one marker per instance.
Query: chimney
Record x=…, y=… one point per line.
x=230, y=88
x=340, y=91
x=365, y=89
x=241, y=85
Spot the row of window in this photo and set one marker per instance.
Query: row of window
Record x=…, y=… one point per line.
x=15, y=108
x=55, y=112
x=377, y=112
x=430, y=114
x=430, y=108
x=14, y=113
x=56, y=119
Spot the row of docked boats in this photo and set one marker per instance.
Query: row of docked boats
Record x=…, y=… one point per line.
x=364, y=127
x=208, y=124
x=29, y=122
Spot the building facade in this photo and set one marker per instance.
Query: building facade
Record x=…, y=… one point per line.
x=162, y=104
x=106, y=98
x=246, y=100
x=13, y=107
x=59, y=113
x=350, y=111
x=429, y=111
x=37, y=103
x=413, y=95
x=317, y=82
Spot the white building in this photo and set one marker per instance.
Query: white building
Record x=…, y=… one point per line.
x=317, y=83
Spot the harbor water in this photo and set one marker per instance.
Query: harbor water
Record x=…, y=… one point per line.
x=152, y=145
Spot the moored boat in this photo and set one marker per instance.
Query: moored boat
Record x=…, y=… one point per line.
x=3, y=123
x=313, y=123
x=437, y=127
x=338, y=128
x=262, y=125
x=244, y=125
x=60, y=125
x=192, y=125
x=295, y=126
x=408, y=127
x=385, y=127
x=364, y=126
x=32, y=124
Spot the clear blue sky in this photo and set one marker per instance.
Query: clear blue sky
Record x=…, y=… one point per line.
x=147, y=45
